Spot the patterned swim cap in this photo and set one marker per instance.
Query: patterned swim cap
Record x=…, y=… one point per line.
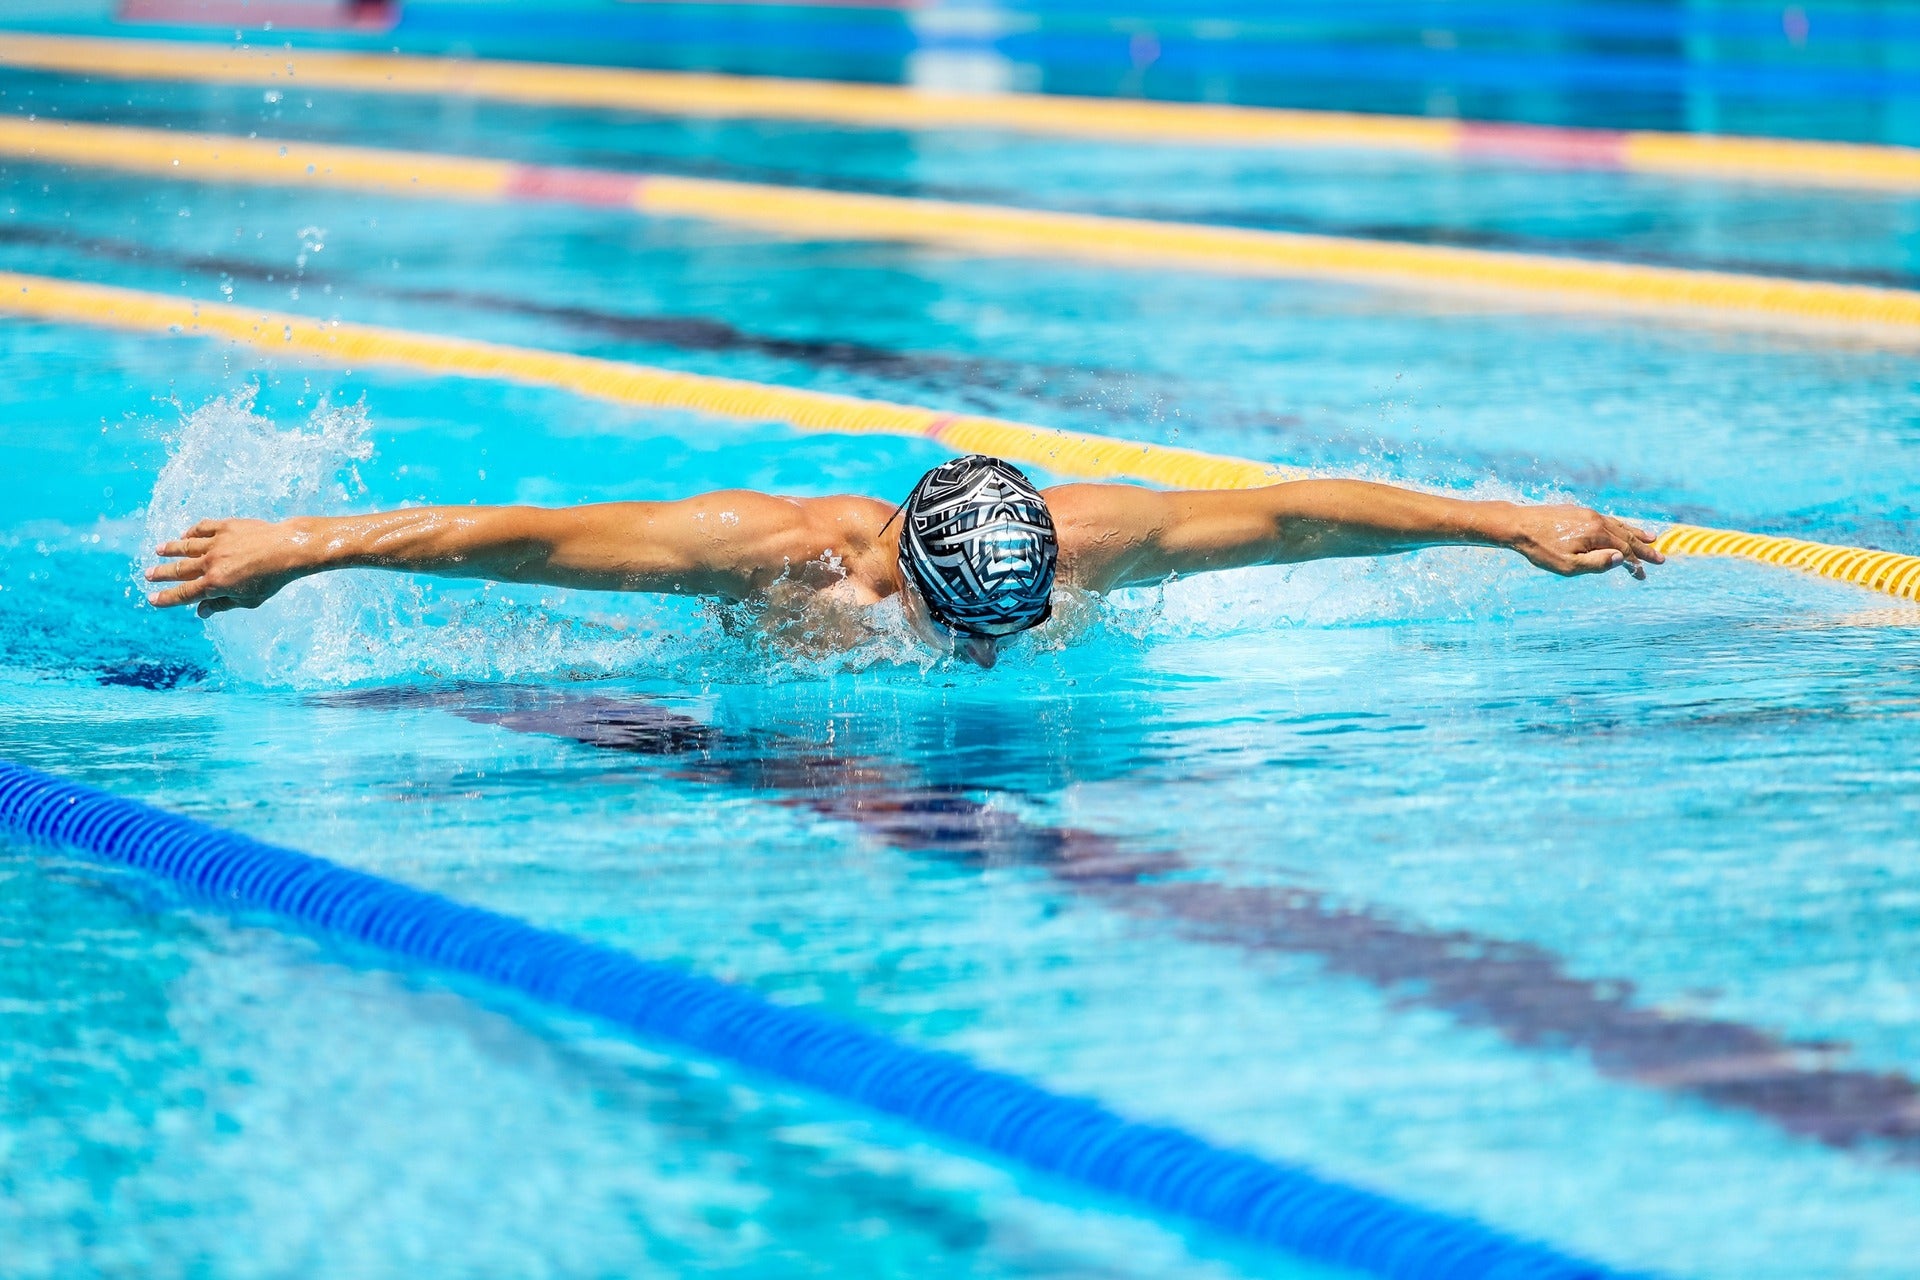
x=978, y=542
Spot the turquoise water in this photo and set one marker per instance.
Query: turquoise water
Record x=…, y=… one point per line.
x=1829, y=70
x=1589, y=909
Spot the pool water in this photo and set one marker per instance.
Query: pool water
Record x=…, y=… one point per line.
x=1589, y=909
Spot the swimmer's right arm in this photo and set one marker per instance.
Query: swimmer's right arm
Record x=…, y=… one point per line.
x=725, y=544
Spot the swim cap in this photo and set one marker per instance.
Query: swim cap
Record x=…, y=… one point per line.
x=978, y=542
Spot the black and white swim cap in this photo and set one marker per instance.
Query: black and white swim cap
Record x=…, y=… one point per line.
x=977, y=540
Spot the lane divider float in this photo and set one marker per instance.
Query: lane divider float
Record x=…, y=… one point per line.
x=1069, y=454
x=1074, y=454
x=1885, y=316
x=1154, y=1167
x=1889, y=572
x=873, y=106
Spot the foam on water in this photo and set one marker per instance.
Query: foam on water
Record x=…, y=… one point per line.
x=226, y=460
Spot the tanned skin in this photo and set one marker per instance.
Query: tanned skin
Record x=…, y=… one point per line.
x=735, y=544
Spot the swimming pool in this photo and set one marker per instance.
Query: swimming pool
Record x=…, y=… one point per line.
x=1589, y=910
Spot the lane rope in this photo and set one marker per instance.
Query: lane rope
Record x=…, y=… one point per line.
x=1889, y=316
x=1889, y=572
x=1076, y=454
x=672, y=93
x=1155, y=1167
x=1069, y=454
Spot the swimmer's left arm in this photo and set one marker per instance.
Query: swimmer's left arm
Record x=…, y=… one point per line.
x=1116, y=535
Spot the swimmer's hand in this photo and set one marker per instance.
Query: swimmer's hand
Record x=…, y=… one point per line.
x=1570, y=540
x=230, y=564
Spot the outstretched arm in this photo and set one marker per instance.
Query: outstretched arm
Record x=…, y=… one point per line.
x=1120, y=536
x=724, y=544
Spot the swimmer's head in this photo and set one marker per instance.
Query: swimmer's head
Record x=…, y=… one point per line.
x=977, y=547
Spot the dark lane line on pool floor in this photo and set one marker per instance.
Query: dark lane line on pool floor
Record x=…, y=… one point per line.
x=1519, y=990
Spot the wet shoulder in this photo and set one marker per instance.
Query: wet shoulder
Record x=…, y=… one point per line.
x=848, y=523
x=852, y=531
x=1101, y=528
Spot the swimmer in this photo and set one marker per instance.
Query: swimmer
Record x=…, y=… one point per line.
x=974, y=553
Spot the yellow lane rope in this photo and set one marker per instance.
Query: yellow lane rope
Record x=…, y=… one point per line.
x=1788, y=161
x=1890, y=316
x=1887, y=316
x=896, y=107
x=257, y=161
x=1887, y=571
x=1065, y=453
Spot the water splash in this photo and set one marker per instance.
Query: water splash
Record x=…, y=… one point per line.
x=227, y=460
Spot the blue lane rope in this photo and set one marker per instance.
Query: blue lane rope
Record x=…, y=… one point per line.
x=1159, y=1168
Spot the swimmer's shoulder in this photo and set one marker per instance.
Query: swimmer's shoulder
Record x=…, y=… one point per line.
x=850, y=518
x=1093, y=514
x=850, y=531
x=1101, y=530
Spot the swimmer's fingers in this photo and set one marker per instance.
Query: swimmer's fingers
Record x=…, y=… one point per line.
x=1625, y=552
x=219, y=604
x=1610, y=543
x=186, y=593
x=1635, y=541
x=1635, y=531
x=177, y=571
x=1601, y=560
x=185, y=546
